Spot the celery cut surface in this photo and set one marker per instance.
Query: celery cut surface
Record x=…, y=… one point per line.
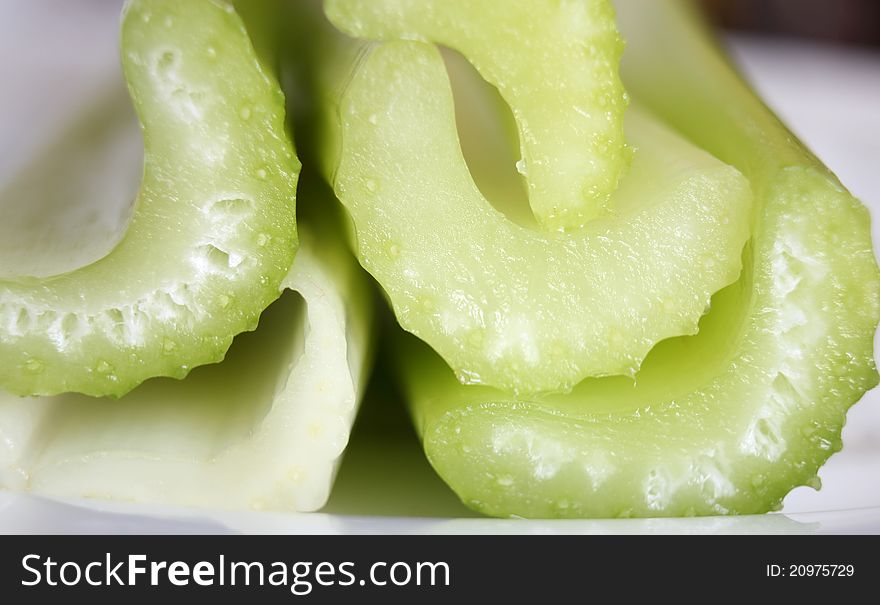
x=724, y=414
x=212, y=233
x=725, y=421
x=556, y=65
x=507, y=306
x=262, y=430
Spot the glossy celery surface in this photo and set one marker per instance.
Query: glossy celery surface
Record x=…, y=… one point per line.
x=262, y=430
x=728, y=420
x=556, y=64
x=213, y=230
x=509, y=306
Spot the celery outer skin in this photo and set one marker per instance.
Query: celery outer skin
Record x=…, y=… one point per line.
x=724, y=422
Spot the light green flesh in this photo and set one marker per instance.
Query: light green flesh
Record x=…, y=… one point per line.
x=213, y=230
x=729, y=420
x=504, y=305
x=264, y=429
x=601, y=388
x=555, y=63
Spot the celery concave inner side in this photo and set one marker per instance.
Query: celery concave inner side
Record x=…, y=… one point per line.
x=729, y=420
x=213, y=231
x=504, y=305
x=101, y=138
x=262, y=430
x=556, y=64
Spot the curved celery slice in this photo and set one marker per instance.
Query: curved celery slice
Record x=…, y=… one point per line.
x=264, y=429
x=555, y=63
x=729, y=420
x=504, y=305
x=213, y=230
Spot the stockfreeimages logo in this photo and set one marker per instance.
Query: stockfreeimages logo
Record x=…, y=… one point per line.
x=300, y=577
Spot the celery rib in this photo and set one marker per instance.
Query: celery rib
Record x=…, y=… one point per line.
x=262, y=430
x=727, y=421
x=556, y=64
x=504, y=305
x=213, y=230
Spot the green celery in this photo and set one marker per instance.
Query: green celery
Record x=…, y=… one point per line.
x=507, y=306
x=263, y=430
x=213, y=231
x=725, y=421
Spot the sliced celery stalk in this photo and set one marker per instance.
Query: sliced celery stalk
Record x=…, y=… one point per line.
x=504, y=305
x=264, y=429
x=729, y=420
x=555, y=63
x=213, y=231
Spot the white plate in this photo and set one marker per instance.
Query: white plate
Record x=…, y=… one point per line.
x=830, y=98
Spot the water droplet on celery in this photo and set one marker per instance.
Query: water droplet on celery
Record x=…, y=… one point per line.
x=166, y=60
x=230, y=206
x=710, y=264
x=34, y=365
x=476, y=338
x=168, y=346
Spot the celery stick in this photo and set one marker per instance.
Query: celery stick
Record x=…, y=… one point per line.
x=264, y=429
x=729, y=420
x=212, y=234
x=554, y=63
x=506, y=306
